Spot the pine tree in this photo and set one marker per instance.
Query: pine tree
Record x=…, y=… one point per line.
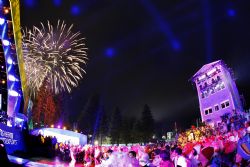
x=147, y=123
x=137, y=132
x=104, y=127
x=115, y=126
x=127, y=130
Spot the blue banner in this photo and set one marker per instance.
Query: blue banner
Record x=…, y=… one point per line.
x=13, y=138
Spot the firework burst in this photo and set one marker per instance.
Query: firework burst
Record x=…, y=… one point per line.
x=54, y=56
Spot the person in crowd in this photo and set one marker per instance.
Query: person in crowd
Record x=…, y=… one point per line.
x=165, y=159
x=193, y=155
x=144, y=161
x=178, y=159
x=206, y=155
x=132, y=154
x=156, y=159
x=132, y=157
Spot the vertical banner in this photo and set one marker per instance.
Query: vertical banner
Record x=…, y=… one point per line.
x=15, y=14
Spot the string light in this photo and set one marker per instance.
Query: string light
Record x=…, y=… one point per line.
x=6, y=11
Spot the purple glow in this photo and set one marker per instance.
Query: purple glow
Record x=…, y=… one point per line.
x=110, y=52
x=231, y=12
x=75, y=10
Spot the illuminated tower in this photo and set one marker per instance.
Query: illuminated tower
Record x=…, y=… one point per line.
x=217, y=92
x=12, y=76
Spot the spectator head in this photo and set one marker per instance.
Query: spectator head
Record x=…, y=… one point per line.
x=173, y=147
x=178, y=150
x=165, y=156
x=195, y=152
x=109, y=152
x=132, y=154
x=157, y=151
x=167, y=148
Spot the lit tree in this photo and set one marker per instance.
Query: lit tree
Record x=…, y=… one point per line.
x=45, y=111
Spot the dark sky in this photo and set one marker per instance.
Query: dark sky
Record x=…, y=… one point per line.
x=145, y=51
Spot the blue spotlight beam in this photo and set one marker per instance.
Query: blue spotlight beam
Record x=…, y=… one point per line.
x=162, y=24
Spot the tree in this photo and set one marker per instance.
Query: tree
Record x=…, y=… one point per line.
x=104, y=127
x=147, y=123
x=45, y=110
x=127, y=130
x=137, y=132
x=115, y=126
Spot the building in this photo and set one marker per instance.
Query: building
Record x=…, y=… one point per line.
x=217, y=92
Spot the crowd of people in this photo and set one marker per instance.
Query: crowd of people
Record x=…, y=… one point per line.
x=221, y=145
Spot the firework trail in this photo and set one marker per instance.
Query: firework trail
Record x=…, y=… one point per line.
x=54, y=56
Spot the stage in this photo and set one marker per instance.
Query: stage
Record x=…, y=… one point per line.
x=62, y=135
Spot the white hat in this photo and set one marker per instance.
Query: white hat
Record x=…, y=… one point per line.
x=197, y=148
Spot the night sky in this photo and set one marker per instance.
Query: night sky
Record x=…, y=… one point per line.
x=144, y=51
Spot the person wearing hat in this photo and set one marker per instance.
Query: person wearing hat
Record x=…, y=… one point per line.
x=194, y=154
x=144, y=161
x=206, y=155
